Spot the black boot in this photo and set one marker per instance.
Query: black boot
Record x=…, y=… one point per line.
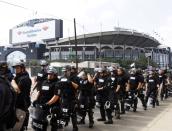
x=109, y=122
x=91, y=121
x=101, y=119
x=157, y=103
x=75, y=128
x=102, y=113
x=91, y=124
x=122, y=107
x=82, y=121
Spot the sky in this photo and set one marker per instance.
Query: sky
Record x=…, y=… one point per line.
x=153, y=17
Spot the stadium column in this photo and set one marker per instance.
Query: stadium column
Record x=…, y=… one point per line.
x=113, y=49
x=83, y=53
x=169, y=57
x=95, y=53
x=83, y=49
x=50, y=53
x=124, y=52
x=60, y=55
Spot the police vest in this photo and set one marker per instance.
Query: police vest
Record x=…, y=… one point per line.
x=85, y=88
x=133, y=81
x=112, y=83
x=100, y=82
x=67, y=89
x=46, y=92
x=151, y=83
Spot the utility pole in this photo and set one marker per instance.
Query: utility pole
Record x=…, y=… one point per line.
x=76, y=53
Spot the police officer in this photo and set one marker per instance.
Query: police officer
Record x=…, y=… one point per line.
x=42, y=75
x=162, y=82
x=49, y=97
x=133, y=86
x=7, y=100
x=140, y=88
x=152, y=88
x=114, y=79
x=121, y=87
x=73, y=75
x=22, y=85
x=86, y=97
x=100, y=85
x=111, y=97
x=68, y=96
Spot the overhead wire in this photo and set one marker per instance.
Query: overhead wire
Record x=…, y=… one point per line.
x=22, y=7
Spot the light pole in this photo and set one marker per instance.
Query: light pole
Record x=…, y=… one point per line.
x=76, y=53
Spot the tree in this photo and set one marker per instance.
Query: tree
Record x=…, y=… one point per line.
x=142, y=62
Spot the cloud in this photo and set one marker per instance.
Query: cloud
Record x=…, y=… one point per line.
x=166, y=31
x=142, y=15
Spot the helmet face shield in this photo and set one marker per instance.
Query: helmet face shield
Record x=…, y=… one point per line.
x=52, y=73
x=66, y=70
x=51, y=70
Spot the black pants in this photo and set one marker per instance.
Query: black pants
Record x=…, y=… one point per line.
x=164, y=92
x=109, y=114
x=152, y=93
x=86, y=106
x=121, y=98
x=71, y=105
x=55, y=121
x=134, y=98
x=102, y=109
x=2, y=126
x=141, y=96
x=90, y=114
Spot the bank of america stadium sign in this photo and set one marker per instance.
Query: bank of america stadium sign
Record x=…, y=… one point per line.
x=37, y=32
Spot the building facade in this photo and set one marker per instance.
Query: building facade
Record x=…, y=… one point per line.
x=120, y=44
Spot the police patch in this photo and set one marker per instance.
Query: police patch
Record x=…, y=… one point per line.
x=45, y=88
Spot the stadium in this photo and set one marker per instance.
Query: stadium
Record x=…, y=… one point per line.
x=119, y=44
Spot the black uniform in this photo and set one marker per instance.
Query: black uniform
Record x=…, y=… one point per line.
x=86, y=100
x=41, y=76
x=101, y=95
x=7, y=105
x=23, y=98
x=68, y=101
x=133, y=83
x=122, y=80
x=151, y=89
x=47, y=91
x=141, y=95
x=111, y=98
x=162, y=81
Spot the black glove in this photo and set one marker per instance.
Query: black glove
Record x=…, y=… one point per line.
x=35, y=103
x=45, y=106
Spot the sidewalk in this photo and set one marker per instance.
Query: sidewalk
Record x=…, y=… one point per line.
x=163, y=122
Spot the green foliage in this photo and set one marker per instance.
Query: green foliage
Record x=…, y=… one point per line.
x=32, y=62
x=142, y=62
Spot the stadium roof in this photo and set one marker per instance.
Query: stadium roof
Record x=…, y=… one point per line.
x=118, y=37
x=33, y=22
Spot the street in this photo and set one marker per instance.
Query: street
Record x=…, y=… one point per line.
x=154, y=119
